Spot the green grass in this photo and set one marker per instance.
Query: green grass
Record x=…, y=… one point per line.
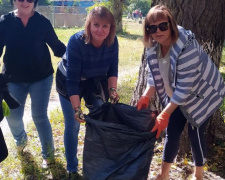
x=28, y=166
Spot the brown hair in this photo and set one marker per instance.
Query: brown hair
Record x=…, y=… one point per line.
x=156, y=13
x=104, y=14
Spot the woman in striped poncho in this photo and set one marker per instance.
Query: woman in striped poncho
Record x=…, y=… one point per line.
x=187, y=82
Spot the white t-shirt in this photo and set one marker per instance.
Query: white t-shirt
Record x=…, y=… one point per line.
x=165, y=70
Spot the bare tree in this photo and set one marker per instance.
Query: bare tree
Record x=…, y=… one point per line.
x=206, y=19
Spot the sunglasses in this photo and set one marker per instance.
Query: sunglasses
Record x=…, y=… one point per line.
x=29, y=1
x=153, y=28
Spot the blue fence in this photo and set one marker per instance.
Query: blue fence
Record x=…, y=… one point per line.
x=84, y=4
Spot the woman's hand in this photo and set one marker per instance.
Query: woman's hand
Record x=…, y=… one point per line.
x=145, y=98
x=79, y=116
x=163, y=118
x=113, y=95
x=161, y=123
x=75, y=101
x=143, y=102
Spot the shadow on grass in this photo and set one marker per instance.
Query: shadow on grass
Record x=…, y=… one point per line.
x=31, y=170
x=216, y=158
x=129, y=36
x=58, y=171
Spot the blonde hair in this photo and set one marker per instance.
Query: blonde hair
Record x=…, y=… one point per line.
x=104, y=14
x=156, y=13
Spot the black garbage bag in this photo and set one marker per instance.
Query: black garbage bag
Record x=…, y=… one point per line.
x=118, y=143
x=5, y=95
x=12, y=103
x=3, y=147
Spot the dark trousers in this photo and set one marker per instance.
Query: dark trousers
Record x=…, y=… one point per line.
x=175, y=127
x=3, y=147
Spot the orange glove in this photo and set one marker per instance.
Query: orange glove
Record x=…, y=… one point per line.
x=143, y=102
x=161, y=123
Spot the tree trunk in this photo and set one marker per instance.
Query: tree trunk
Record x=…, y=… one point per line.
x=142, y=80
x=118, y=12
x=206, y=20
x=141, y=86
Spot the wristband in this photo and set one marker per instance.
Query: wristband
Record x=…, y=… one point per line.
x=112, y=89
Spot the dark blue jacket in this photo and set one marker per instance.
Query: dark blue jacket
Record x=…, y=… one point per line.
x=27, y=57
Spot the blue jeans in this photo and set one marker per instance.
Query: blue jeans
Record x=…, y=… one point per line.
x=39, y=93
x=71, y=131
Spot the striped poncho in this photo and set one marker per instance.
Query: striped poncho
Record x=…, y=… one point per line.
x=198, y=87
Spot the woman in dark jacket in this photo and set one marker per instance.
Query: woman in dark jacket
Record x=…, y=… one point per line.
x=25, y=35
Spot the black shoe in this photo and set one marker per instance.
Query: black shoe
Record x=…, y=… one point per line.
x=75, y=176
